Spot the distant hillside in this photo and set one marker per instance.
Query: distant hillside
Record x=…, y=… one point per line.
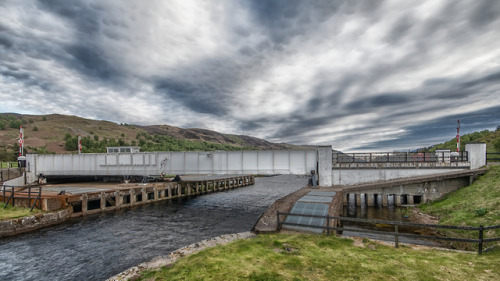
x=58, y=134
x=491, y=138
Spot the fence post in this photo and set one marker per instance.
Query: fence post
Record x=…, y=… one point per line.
x=278, y=220
x=327, y=225
x=480, y=248
x=396, y=238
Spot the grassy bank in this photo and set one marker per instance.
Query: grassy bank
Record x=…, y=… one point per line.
x=15, y=212
x=318, y=257
x=474, y=205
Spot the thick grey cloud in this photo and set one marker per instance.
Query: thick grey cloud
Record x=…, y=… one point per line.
x=355, y=74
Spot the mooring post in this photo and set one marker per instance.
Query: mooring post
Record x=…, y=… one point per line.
x=155, y=194
x=118, y=199
x=132, y=197
x=103, y=200
x=85, y=199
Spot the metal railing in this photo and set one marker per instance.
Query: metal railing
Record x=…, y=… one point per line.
x=16, y=192
x=492, y=157
x=9, y=173
x=400, y=157
x=480, y=241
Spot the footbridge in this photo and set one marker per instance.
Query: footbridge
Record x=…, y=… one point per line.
x=144, y=164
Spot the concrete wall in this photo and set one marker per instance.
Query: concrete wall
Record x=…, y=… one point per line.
x=270, y=162
x=16, y=182
x=359, y=176
x=428, y=191
x=477, y=154
x=30, y=223
x=325, y=165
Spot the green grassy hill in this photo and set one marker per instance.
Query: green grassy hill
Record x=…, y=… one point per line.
x=491, y=138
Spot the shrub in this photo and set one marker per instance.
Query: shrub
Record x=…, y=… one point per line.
x=481, y=211
x=35, y=128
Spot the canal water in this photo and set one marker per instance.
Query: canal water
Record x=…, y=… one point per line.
x=99, y=246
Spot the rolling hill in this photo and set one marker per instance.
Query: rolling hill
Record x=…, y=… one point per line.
x=58, y=134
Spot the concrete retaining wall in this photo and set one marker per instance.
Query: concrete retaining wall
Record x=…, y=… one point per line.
x=34, y=222
x=352, y=176
x=16, y=182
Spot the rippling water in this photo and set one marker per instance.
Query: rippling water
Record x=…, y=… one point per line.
x=99, y=246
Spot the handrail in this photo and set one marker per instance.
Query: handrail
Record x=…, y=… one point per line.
x=400, y=157
x=21, y=193
x=396, y=224
x=492, y=156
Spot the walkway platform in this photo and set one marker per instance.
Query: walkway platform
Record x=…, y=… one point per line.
x=96, y=197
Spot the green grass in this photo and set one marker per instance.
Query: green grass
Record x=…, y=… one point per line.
x=15, y=212
x=6, y=165
x=474, y=205
x=318, y=257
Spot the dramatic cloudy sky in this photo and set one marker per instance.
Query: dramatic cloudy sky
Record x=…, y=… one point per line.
x=376, y=75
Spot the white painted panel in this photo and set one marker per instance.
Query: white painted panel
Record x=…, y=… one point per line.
x=57, y=164
x=298, y=162
x=205, y=162
x=191, y=163
x=101, y=159
x=220, y=162
x=152, y=159
x=281, y=162
x=177, y=163
x=89, y=164
x=250, y=162
x=111, y=159
x=312, y=160
x=124, y=159
x=265, y=162
x=138, y=159
x=235, y=162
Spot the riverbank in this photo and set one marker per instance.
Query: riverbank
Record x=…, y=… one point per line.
x=319, y=257
x=165, y=261
x=15, y=226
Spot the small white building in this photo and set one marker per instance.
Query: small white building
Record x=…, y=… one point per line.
x=123, y=149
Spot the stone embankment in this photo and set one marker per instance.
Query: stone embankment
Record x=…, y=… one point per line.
x=158, y=262
x=34, y=222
